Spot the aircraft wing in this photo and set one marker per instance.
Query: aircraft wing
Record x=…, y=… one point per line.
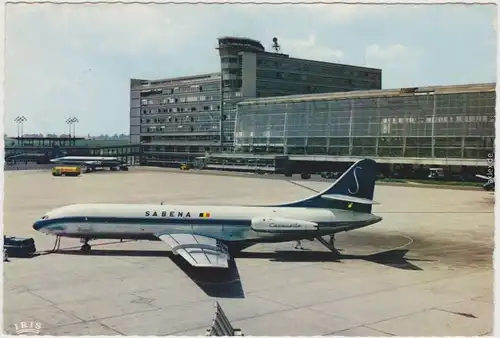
x=92, y=162
x=199, y=251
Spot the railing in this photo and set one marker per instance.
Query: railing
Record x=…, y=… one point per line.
x=221, y=326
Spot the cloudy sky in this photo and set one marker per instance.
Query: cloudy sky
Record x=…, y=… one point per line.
x=76, y=60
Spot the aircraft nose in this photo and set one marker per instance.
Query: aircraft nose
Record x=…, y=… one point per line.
x=36, y=225
x=39, y=223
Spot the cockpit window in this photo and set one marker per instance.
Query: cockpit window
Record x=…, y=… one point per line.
x=44, y=217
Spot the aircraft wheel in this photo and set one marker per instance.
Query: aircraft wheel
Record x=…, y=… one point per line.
x=85, y=248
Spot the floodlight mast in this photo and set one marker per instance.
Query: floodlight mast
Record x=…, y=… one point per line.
x=276, y=46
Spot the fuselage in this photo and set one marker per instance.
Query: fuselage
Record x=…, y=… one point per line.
x=226, y=223
x=98, y=160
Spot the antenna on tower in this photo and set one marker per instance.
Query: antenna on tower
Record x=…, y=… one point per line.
x=276, y=46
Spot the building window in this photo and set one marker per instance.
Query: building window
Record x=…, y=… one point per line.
x=229, y=59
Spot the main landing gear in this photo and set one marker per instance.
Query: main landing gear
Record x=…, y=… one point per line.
x=86, y=246
x=330, y=244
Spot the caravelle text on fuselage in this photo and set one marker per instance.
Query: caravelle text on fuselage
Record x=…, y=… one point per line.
x=207, y=236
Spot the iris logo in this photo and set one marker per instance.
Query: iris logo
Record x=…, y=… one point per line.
x=357, y=182
x=28, y=327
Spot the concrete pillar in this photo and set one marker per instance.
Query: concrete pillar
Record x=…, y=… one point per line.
x=433, y=133
x=351, y=111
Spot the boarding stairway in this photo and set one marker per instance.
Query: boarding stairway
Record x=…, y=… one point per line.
x=221, y=326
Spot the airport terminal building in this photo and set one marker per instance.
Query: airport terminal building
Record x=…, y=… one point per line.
x=268, y=110
x=440, y=126
x=178, y=119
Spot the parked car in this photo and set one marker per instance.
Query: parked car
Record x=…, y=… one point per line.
x=18, y=246
x=305, y=176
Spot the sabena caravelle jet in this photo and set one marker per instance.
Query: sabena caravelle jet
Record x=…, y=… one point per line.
x=207, y=236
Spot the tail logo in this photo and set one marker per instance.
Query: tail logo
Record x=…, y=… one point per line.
x=357, y=182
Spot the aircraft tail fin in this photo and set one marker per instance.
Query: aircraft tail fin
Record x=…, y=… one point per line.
x=352, y=191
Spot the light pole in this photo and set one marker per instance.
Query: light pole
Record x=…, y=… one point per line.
x=71, y=121
x=75, y=121
x=19, y=120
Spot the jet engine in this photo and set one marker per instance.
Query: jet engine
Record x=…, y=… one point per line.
x=274, y=224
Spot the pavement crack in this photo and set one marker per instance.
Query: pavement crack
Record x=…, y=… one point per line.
x=378, y=330
x=112, y=329
x=463, y=314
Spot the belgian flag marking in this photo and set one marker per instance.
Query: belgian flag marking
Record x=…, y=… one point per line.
x=204, y=214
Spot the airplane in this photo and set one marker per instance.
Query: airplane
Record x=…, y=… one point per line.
x=490, y=182
x=208, y=236
x=92, y=162
x=28, y=157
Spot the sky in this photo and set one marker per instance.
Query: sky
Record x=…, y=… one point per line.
x=77, y=60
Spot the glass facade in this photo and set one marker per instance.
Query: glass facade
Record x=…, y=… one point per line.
x=275, y=74
x=445, y=122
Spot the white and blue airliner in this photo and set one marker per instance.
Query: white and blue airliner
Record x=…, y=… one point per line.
x=207, y=236
x=91, y=163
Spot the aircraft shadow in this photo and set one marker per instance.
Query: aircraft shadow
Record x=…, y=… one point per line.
x=215, y=282
x=392, y=258
x=226, y=283
x=218, y=283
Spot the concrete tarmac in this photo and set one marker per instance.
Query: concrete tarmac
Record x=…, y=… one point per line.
x=425, y=270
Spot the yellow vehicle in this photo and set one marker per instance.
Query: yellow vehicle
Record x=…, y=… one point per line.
x=66, y=171
x=185, y=167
